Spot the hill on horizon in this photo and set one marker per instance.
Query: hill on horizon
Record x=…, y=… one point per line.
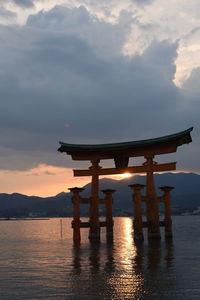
x=185, y=196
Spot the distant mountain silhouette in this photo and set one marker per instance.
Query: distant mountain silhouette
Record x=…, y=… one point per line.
x=185, y=196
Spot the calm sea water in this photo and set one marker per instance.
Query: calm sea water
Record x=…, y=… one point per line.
x=36, y=262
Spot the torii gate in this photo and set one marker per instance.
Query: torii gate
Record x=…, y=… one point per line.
x=121, y=152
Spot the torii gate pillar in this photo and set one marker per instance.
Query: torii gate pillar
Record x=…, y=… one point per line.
x=152, y=204
x=94, y=231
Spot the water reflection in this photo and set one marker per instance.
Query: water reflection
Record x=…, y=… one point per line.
x=122, y=268
x=138, y=259
x=76, y=257
x=169, y=254
x=154, y=255
x=94, y=256
x=46, y=267
x=110, y=262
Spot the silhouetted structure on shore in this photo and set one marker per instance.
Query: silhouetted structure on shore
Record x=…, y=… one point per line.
x=121, y=152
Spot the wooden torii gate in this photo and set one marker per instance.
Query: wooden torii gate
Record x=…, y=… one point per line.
x=121, y=152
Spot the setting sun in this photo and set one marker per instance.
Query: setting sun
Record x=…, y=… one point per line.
x=125, y=175
x=120, y=176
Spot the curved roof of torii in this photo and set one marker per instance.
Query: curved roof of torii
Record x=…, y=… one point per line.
x=160, y=145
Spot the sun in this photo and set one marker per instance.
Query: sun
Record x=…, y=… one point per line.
x=120, y=176
x=125, y=175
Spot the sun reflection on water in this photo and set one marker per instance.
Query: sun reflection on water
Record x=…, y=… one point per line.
x=127, y=282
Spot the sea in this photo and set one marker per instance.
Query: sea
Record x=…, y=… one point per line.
x=38, y=260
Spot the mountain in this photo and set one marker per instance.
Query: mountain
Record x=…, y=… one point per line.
x=185, y=197
x=186, y=193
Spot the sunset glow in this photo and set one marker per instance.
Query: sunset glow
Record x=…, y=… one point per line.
x=44, y=181
x=126, y=175
x=120, y=176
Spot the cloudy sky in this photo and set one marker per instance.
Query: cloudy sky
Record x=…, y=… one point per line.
x=93, y=72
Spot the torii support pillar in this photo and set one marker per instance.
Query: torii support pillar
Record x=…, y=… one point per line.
x=94, y=232
x=109, y=218
x=168, y=219
x=137, y=199
x=76, y=223
x=151, y=201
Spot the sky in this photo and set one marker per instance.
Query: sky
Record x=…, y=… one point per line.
x=93, y=72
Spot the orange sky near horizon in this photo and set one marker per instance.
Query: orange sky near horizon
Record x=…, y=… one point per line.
x=44, y=180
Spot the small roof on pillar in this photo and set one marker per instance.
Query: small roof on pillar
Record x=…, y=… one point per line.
x=160, y=145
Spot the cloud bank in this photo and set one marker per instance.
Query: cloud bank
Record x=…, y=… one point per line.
x=68, y=65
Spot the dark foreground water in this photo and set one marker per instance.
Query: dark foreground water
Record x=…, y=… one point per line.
x=37, y=263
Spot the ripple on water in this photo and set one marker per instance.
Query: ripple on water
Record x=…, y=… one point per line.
x=36, y=263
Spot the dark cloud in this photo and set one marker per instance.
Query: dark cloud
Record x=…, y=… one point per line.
x=24, y=3
x=104, y=38
x=49, y=78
